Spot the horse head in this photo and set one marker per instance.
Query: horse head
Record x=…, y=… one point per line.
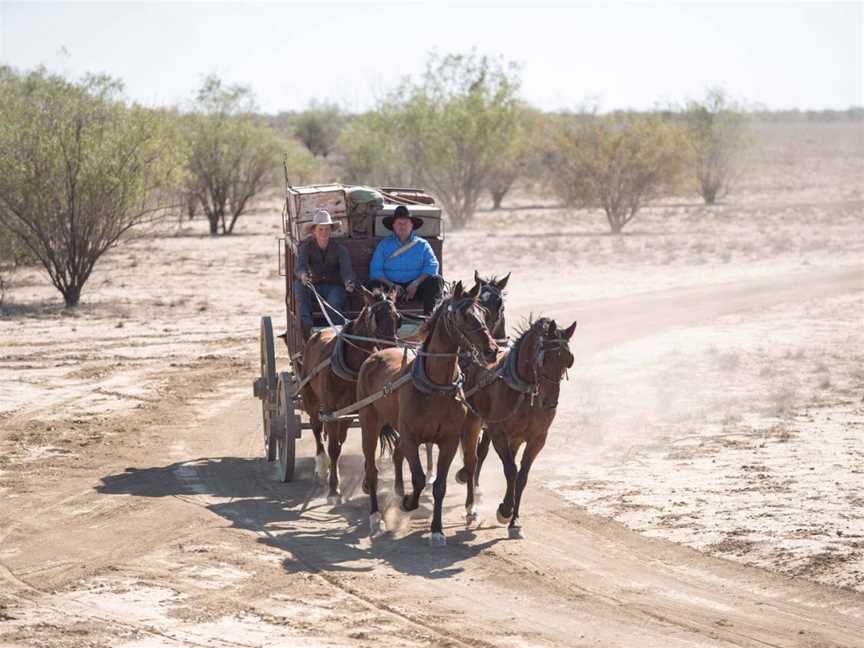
x=379, y=318
x=555, y=356
x=464, y=317
x=490, y=295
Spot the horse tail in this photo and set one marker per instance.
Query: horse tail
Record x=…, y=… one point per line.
x=388, y=438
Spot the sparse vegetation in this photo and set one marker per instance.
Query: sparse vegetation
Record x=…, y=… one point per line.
x=618, y=162
x=234, y=155
x=79, y=169
x=719, y=135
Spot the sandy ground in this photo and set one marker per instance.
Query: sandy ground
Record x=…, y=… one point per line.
x=716, y=404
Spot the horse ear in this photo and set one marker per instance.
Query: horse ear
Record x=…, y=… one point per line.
x=457, y=290
x=502, y=283
x=476, y=277
x=368, y=297
x=551, y=328
x=475, y=290
x=568, y=332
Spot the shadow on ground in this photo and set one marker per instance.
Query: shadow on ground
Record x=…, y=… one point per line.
x=296, y=518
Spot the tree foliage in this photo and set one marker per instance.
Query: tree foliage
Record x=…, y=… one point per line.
x=318, y=127
x=447, y=131
x=458, y=120
x=720, y=134
x=521, y=157
x=234, y=155
x=78, y=169
x=618, y=162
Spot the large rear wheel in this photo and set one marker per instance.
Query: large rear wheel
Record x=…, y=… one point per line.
x=289, y=428
x=267, y=392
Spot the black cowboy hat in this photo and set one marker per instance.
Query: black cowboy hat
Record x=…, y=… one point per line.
x=402, y=212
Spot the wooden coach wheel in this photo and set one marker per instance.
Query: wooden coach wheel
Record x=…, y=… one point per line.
x=285, y=436
x=267, y=393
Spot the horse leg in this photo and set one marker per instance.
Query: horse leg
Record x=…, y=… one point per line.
x=370, y=429
x=418, y=480
x=470, y=433
x=398, y=477
x=505, y=509
x=430, y=464
x=482, y=451
x=337, y=432
x=322, y=463
x=446, y=453
x=532, y=449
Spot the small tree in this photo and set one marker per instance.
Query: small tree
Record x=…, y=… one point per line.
x=618, y=162
x=521, y=157
x=78, y=169
x=455, y=124
x=318, y=127
x=719, y=135
x=371, y=151
x=233, y=154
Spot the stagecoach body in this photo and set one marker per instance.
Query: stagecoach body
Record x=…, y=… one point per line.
x=361, y=228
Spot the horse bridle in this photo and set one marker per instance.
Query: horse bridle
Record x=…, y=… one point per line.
x=462, y=336
x=496, y=292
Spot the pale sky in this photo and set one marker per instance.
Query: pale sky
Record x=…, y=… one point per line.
x=616, y=55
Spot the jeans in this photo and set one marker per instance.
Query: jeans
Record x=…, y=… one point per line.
x=333, y=294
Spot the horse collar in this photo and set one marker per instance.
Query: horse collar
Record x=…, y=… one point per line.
x=425, y=386
x=338, y=364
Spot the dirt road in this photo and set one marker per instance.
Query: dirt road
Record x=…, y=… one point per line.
x=182, y=536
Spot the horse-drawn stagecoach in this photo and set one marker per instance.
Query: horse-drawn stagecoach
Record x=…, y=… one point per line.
x=442, y=391
x=360, y=212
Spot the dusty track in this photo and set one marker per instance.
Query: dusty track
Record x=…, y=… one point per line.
x=197, y=544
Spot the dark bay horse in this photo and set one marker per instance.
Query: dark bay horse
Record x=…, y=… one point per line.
x=490, y=295
x=516, y=400
x=424, y=408
x=335, y=385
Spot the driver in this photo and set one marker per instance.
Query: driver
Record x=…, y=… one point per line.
x=406, y=261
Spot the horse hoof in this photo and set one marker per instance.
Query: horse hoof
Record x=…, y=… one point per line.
x=406, y=504
x=516, y=533
x=322, y=467
x=471, y=515
x=334, y=500
x=376, y=525
x=502, y=519
x=461, y=476
x=437, y=540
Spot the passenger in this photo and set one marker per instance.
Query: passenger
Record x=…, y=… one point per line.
x=324, y=264
x=405, y=261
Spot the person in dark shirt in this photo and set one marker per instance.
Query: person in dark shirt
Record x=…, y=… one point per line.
x=324, y=264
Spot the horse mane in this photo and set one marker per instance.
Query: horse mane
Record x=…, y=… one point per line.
x=428, y=326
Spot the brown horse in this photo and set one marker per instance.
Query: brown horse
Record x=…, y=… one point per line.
x=423, y=408
x=490, y=295
x=335, y=385
x=516, y=400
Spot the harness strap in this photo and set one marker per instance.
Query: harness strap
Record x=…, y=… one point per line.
x=313, y=373
x=338, y=364
x=388, y=389
x=426, y=386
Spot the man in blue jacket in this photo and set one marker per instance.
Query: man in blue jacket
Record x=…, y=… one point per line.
x=406, y=262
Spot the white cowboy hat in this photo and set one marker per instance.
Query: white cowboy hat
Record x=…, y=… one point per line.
x=321, y=217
